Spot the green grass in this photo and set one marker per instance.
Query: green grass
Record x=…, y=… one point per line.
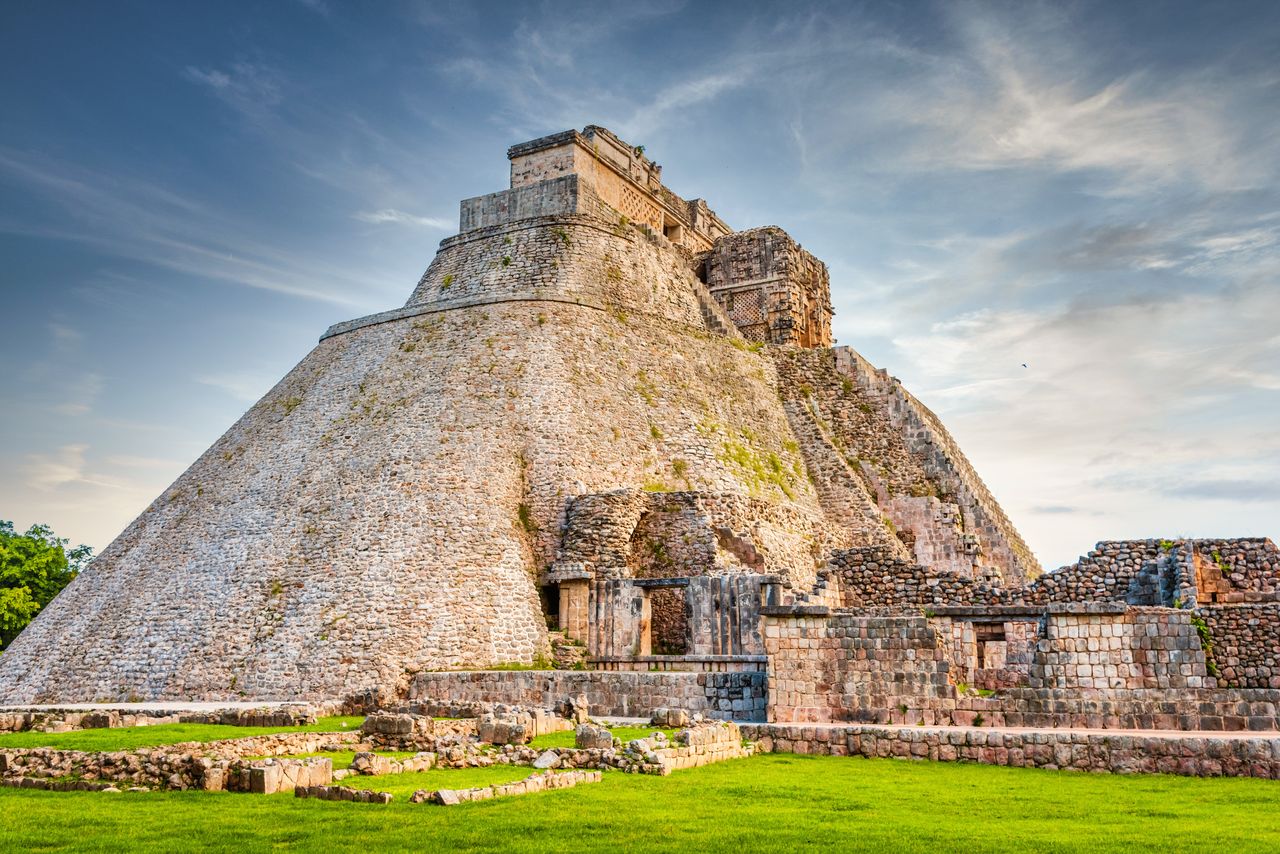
x=404, y=785
x=766, y=803
x=128, y=738
x=626, y=733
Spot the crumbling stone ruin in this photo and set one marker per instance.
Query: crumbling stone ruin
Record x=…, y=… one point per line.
x=609, y=426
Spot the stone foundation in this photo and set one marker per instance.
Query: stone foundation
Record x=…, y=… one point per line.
x=342, y=793
x=727, y=696
x=1184, y=755
x=533, y=783
x=165, y=769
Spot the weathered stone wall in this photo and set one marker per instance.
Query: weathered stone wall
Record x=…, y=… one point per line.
x=1246, y=644
x=636, y=534
x=771, y=288
x=1189, y=756
x=47, y=719
x=167, y=768
x=849, y=667
x=1236, y=571
x=1137, y=572
x=1148, y=708
x=733, y=696
x=575, y=258
x=873, y=577
x=1098, y=665
x=557, y=197
x=623, y=177
x=1141, y=648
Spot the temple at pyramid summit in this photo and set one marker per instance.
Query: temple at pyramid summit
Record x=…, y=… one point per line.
x=608, y=438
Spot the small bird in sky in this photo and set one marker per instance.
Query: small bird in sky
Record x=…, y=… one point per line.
x=1024, y=364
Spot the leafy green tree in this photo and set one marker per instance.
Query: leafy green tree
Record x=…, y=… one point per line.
x=34, y=567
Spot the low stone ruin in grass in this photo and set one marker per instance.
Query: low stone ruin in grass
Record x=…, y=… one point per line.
x=53, y=720
x=279, y=762
x=540, y=782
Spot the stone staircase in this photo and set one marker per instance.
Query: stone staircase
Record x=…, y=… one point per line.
x=825, y=593
x=712, y=314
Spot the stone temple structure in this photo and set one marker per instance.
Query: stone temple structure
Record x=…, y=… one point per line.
x=609, y=431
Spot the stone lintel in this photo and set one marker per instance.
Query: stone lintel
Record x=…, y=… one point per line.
x=660, y=582
x=795, y=611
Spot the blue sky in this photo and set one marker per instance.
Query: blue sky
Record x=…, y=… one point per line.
x=190, y=193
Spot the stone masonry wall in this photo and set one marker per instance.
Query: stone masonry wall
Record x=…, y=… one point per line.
x=731, y=696
x=1189, y=756
x=1237, y=571
x=771, y=288
x=1141, y=648
x=1138, y=572
x=560, y=196
x=1146, y=672
x=850, y=667
x=1246, y=643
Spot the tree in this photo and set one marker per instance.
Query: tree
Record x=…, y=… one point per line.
x=34, y=567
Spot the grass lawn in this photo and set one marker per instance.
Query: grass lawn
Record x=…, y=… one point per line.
x=127, y=738
x=404, y=785
x=626, y=733
x=765, y=803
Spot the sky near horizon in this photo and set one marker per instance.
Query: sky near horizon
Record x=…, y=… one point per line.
x=191, y=192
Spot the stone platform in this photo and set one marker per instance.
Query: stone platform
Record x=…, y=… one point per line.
x=1185, y=753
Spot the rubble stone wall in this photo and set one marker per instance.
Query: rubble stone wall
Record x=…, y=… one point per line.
x=849, y=667
x=1237, y=571
x=171, y=767
x=1246, y=644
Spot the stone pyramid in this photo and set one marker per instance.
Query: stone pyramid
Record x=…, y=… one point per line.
x=594, y=379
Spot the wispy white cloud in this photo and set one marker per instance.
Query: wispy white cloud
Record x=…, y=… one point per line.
x=246, y=387
x=252, y=88
x=83, y=501
x=391, y=215
x=681, y=95
x=136, y=218
x=46, y=472
x=127, y=461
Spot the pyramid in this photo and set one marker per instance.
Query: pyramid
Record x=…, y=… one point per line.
x=595, y=382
